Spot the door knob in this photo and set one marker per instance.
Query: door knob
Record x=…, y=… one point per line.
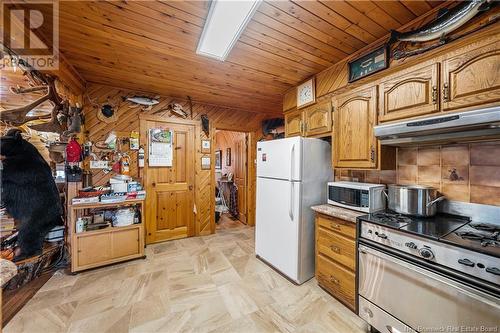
x=190, y=187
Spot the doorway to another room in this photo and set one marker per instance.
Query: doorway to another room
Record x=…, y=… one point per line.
x=231, y=179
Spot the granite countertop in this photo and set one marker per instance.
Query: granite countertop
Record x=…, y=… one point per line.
x=339, y=212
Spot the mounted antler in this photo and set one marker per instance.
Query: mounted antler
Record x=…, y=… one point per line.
x=18, y=116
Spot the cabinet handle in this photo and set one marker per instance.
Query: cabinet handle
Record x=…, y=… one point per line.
x=335, y=248
x=445, y=92
x=335, y=226
x=372, y=153
x=301, y=127
x=434, y=94
x=333, y=279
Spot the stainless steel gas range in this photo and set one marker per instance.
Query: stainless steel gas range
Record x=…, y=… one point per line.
x=439, y=274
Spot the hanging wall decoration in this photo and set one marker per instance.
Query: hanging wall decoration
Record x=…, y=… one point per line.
x=218, y=159
x=228, y=157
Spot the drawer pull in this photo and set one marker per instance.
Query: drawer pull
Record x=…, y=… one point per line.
x=334, y=280
x=335, y=226
x=335, y=249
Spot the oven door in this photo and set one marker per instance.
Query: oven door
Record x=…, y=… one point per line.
x=420, y=298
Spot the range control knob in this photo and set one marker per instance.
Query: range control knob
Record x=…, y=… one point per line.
x=411, y=245
x=493, y=270
x=426, y=253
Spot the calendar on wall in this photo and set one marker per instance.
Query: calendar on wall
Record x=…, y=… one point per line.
x=160, y=147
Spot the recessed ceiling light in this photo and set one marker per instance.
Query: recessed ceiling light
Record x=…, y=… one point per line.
x=225, y=22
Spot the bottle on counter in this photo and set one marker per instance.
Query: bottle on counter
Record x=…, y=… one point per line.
x=137, y=215
x=80, y=225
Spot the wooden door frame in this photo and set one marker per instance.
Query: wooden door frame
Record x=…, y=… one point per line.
x=197, y=166
x=251, y=175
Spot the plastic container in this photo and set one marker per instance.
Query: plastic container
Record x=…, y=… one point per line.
x=123, y=217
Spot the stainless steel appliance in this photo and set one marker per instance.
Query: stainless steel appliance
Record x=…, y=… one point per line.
x=438, y=274
x=445, y=128
x=363, y=197
x=415, y=200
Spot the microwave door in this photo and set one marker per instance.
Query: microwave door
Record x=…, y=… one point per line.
x=346, y=196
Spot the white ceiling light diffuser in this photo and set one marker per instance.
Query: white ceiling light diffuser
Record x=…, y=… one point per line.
x=225, y=22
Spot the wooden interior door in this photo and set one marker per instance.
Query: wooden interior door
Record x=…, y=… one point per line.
x=240, y=176
x=355, y=145
x=170, y=190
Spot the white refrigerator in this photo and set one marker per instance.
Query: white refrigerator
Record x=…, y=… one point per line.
x=292, y=176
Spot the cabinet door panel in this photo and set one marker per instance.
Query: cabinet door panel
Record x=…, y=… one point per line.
x=93, y=249
x=411, y=93
x=293, y=123
x=354, y=142
x=125, y=243
x=339, y=281
x=472, y=78
x=318, y=119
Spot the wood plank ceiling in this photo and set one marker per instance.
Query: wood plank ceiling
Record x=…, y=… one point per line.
x=150, y=46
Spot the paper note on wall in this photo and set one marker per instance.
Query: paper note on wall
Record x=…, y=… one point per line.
x=160, y=147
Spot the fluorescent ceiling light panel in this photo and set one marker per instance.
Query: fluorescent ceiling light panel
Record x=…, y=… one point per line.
x=225, y=22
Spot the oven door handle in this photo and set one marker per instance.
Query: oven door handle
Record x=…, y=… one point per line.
x=478, y=295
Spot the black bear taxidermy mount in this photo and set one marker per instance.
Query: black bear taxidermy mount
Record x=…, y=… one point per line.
x=29, y=193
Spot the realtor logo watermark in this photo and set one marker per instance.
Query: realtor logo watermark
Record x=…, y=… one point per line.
x=31, y=33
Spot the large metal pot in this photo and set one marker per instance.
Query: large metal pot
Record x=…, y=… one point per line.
x=415, y=200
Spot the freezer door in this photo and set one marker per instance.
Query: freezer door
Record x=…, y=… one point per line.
x=277, y=225
x=280, y=159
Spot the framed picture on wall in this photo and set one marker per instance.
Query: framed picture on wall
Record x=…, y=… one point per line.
x=228, y=157
x=205, y=146
x=218, y=159
x=205, y=163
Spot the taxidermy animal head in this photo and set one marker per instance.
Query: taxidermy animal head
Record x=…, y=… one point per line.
x=177, y=109
x=74, y=121
x=146, y=103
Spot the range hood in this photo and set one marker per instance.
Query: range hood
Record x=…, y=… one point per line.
x=476, y=125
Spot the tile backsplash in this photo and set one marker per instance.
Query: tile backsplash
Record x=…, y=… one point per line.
x=462, y=172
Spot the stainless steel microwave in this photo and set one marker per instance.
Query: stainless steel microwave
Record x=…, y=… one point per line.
x=364, y=197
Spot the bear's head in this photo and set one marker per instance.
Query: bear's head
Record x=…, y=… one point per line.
x=13, y=143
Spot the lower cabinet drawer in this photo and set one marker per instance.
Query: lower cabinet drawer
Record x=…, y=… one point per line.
x=337, y=225
x=339, y=281
x=337, y=247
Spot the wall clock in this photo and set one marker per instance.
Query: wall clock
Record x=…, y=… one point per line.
x=306, y=94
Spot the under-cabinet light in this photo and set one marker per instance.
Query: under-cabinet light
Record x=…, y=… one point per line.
x=225, y=21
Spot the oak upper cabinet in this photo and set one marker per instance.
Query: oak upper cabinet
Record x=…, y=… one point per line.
x=472, y=77
x=413, y=92
x=293, y=123
x=354, y=145
x=318, y=119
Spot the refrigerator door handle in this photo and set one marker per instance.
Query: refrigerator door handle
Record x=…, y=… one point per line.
x=292, y=162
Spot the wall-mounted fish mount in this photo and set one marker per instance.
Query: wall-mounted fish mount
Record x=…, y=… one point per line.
x=144, y=102
x=446, y=22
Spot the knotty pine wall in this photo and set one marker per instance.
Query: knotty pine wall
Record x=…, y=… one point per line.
x=128, y=120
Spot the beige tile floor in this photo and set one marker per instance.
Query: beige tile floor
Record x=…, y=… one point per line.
x=205, y=284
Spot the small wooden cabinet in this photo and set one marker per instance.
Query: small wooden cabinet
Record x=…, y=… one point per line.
x=355, y=145
x=336, y=258
x=90, y=249
x=318, y=119
x=410, y=93
x=294, y=124
x=312, y=121
x=472, y=78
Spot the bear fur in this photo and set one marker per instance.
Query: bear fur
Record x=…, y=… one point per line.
x=28, y=192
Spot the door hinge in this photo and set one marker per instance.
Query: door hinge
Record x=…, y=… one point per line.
x=434, y=94
x=372, y=153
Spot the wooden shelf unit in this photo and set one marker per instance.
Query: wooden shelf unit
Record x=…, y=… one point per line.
x=96, y=248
